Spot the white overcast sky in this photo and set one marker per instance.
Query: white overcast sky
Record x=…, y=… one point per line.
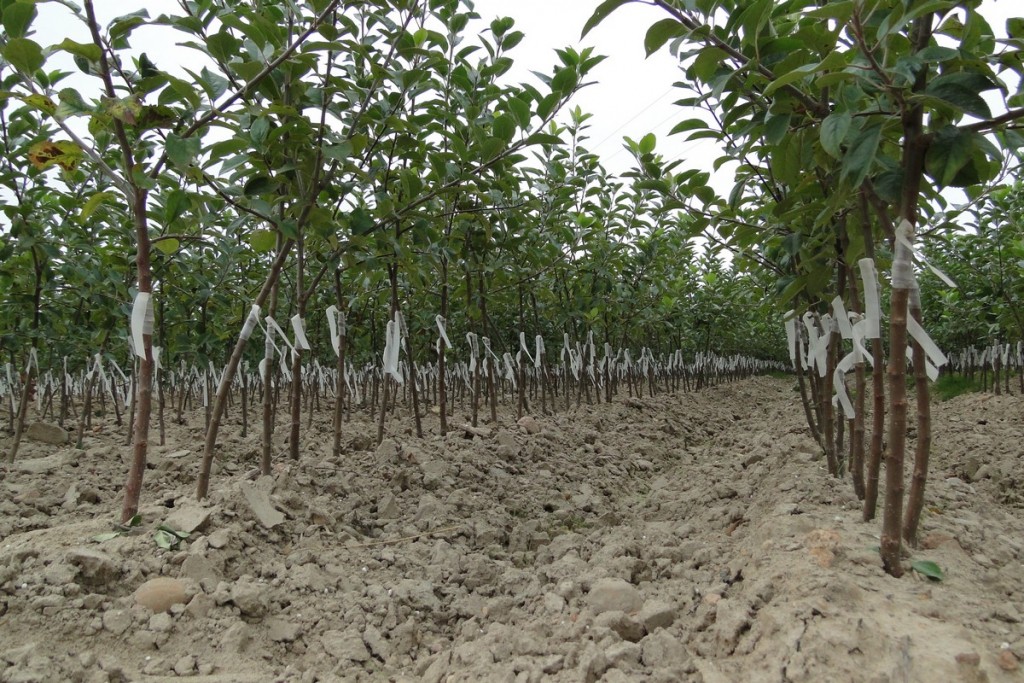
x=633, y=94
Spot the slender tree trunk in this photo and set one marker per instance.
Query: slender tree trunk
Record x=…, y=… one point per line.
x=915, y=500
x=203, y=483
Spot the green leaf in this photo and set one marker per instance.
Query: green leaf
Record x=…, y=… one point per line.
x=223, y=46
x=707, y=63
x=167, y=246
x=601, y=13
x=775, y=128
x=660, y=33
x=176, y=203
x=18, y=17
x=861, y=155
x=92, y=204
x=949, y=152
x=72, y=104
x=361, y=221
x=259, y=130
x=103, y=538
x=263, y=241
x=257, y=185
x=24, y=54
x=962, y=90
x=647, y=143
x=504, y=127
x=833, y=132
x=340, y=152
x=88, y=51
x=564, y=81
x=688, y=124
x=182, y=151
x=166, y=539
x=928, y=568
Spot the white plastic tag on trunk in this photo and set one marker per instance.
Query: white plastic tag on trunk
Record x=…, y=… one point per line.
x=250, y=322
x=901, y=237
x=272, y=325
x=790, y=318
x=299, y=327
x=523, y=347
x=931, y=349
x=565, y=347
x=157, y=366
x=392, y=347
x=336, y=321
x=444, y=333
x=842, y=318
x=540, y=351
x=474, y=350
x=872, y=309
x=142, y=321
x=510, y=373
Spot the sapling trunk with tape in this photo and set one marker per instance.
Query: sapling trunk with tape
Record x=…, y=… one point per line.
x=339, y=339
x=203, y=482
x=892, y=517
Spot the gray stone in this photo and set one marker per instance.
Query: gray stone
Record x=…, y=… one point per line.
x=388, y=507
x=282, y=631
x=95, y=568
x=188, y=518
x=611, y=594
x=529, y=424
x=379, y=647
x=623, y=655
x=657, y=614
x=197, y=568
x=161, y=622
x=43, y=465
x=434, y=473
x=261, y=505
x=625, y=626
x=219, y=539
x=117, y=621
x=185, y=666
x=47, y=433
x=661, y=650
x=345, y=645
x=236, y=638
x=249, y=598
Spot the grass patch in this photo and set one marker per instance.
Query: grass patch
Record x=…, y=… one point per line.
x=950, y=386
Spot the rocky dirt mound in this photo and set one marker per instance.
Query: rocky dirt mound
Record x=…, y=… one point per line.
x=676, y=538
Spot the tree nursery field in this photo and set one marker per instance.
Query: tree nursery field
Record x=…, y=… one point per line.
x=332, y=353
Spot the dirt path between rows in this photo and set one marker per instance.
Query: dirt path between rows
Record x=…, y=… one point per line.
x=677, y=538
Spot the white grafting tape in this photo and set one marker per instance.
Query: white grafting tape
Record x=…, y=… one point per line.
x=900, y=237
x=790, y=319
x=931, y=349
x=332, y=323
x=250, y=322
x=444, y=333
x=299, y=327
x=272, y=324
x=392, y=347
x=872, y=308
x=540, y=351
x=474, y=350
x=523, y=347
x=142, y=321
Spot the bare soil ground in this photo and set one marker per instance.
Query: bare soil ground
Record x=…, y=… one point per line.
x=677, y=538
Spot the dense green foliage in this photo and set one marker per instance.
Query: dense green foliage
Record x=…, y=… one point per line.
x=386, y=137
